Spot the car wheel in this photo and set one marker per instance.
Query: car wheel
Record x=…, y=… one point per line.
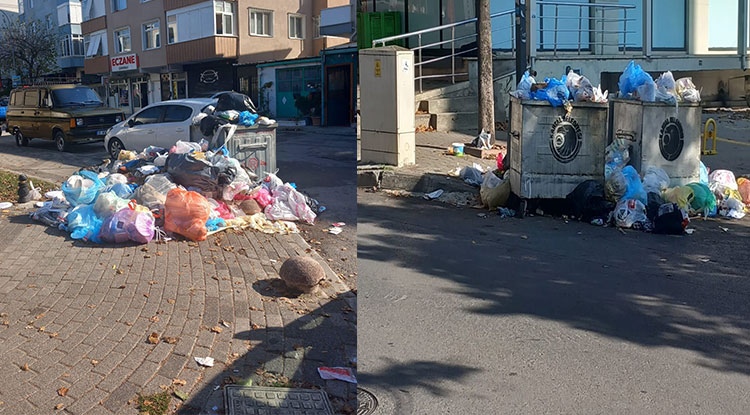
x=21, y=140
x=115, y=145
x=60, y=141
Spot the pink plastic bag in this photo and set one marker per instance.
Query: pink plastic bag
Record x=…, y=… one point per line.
x=263, y=197
x=128, y=224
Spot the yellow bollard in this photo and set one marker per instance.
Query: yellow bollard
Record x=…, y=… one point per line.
x=709, y=134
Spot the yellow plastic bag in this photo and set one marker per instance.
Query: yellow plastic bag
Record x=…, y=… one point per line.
x=682, y=195
x=127, y=155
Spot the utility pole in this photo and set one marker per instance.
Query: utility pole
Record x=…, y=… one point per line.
x=521, y=60
x=486, y=92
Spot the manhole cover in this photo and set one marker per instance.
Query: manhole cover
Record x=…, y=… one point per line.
x=366, y=402
x=258, y=400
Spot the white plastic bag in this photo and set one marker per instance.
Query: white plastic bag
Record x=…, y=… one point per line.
x=182, y=147
x=647, y=91
x=655, y=180
x=686, y=90
x=107, y=204
x=116, y=178
x=523, y=91
x=628, y=212
x=579, y=86
x=666, y=81
x=288, y=201
x=599, y=96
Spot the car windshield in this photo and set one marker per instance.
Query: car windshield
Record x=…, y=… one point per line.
x=75, y=96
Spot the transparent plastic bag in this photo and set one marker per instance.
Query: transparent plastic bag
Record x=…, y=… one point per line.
x=629, y=212
x=182, y=147
x=289, y=204
x=686, y=90
x=615, y=185
x=647, y=91
x=82, y=188
x=107, y=204
x=720, y=179
x=116, y=178
x=523, y=91
x=580, y=87
x=494, y=191
x=655, y=180
x=83, y=223
x=704, y=201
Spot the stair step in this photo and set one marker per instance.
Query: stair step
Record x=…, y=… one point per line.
x=455, y=121
x=423, y=120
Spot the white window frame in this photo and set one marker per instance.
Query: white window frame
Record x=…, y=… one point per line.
x=116, y=35
x=31, y=4
x=172, y=22
x=316, y=27
x=269, y=30
x=72, y=45
x=290, y=18
x=144, y=34
x=114, y=5
x=224, y=13
x=21, y=6
x=100, y=38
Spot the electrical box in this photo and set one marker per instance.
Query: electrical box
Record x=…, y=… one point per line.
x=387, y=105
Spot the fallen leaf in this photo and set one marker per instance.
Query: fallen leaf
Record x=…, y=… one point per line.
x=40, y=316
x=153, y=338
x=215, y=278
x=145, y=295
x=169, y=340
x=119, y=271
x=121, y=287
x=152, y=282
x=224, y=323
x=170, y=300
x=52, y=335
x=25, y=367
x=59, y=406
x=216, y=329
x=179, y=382
x=144, y=249
x=94, y=362
x=182, y=395
x=254, y=308
x=255, y=326
x=154, y=319
x=62, y=391
x=147, y=256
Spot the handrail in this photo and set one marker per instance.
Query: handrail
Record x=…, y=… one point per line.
x=596, y=5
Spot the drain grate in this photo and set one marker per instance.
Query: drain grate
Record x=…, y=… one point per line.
x=366, y=402
x=258, y=400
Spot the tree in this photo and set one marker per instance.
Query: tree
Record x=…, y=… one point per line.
x=28, y=49
x=486, y=92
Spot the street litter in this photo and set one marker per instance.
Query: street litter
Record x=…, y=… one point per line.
x=192, y=189
x=335, y=230
x=337, y=373
x=5, y=205
x=205, y=361
x=433, y=195
x=338, y=224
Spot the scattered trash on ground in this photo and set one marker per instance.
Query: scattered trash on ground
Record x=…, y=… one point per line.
x=337, y=373
x=205, y=361
x=433, y=195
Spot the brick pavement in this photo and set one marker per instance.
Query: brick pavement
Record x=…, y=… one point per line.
x=78, y=315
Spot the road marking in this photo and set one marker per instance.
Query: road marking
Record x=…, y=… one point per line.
x=727, y=140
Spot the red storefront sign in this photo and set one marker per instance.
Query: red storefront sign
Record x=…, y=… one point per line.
x=124, y=63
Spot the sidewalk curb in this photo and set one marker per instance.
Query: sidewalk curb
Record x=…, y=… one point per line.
x=411, y=182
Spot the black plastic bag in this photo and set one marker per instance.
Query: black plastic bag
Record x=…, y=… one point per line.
x=652, y=207
x=188, y=171
x=235, y=101
x=670, y=220
x=587, y=201
x=210, y=123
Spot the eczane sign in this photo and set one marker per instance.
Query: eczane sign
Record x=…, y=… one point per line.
x=124, y=63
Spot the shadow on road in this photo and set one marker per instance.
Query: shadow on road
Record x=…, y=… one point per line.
x=686, y=292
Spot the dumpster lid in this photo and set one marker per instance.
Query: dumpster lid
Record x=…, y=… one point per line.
x=655, y=103
x=584, y=104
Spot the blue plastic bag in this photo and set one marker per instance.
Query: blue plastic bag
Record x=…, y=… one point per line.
x=247, y=118
x=124, y=191
x=633, y=77
x=82, y=195
x=215, y=224
x=83, y=223
x=704, y=174
x=556, y=92
x=635, y=190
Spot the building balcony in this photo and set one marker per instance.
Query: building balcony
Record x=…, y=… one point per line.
x=93, y=25
x=96, y=65
x=176, y=4
x=201, y=50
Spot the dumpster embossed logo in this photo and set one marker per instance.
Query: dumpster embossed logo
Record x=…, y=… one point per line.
x=565, y=139
x=209, y=76
x=671, y=139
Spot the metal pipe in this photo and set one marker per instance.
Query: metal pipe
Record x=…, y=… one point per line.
x=453, y=55
x=625, y=32
x=556, y=13
x=419, y=41
x=580, y=20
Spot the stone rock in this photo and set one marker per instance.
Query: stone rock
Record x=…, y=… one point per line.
x=301, y=273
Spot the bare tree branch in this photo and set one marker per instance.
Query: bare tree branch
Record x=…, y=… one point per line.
x=28, y=49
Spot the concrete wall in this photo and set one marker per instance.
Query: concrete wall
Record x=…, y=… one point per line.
x=134, y=16
x=279, y=46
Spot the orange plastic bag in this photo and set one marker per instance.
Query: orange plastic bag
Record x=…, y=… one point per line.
x=186, y=213
x=744, y=188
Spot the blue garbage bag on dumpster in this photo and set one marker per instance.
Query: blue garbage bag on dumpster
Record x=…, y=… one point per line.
x=83, y=223
x=633, y=77
x=247, y=118
x=82, y=188
x=556, y=92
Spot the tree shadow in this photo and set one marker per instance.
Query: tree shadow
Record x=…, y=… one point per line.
x=686, y=292
x=288, y=356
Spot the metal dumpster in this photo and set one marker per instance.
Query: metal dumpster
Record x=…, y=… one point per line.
x=255, y=148
x=551, y=151
x=661, y=136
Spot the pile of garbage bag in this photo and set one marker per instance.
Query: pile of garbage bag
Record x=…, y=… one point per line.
x=635, y=83
x=571, y=87
x=186, y=190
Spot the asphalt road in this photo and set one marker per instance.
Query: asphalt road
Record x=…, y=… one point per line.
x=464, y=315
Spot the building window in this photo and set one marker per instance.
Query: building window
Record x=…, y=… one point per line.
x=118, y=5
x=316, y=26
x=20, y=6
x=95, y=44
x=171, y=29
x=261, y=22
x=296, y=26
x=31, y=4
x=668, y=24
x=48, y=19
x=71, y=45
x=122, y=40
x=224, y=17
x=151, y=35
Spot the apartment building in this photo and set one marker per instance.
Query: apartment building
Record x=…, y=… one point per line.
x=65, y=15
x=152, y=50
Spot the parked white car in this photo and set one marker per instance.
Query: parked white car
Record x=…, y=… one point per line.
x=160, y=124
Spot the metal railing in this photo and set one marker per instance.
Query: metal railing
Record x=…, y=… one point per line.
x=449, y=31
x=595, y=33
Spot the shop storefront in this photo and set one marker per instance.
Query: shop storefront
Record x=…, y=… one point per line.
x=206, y=79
